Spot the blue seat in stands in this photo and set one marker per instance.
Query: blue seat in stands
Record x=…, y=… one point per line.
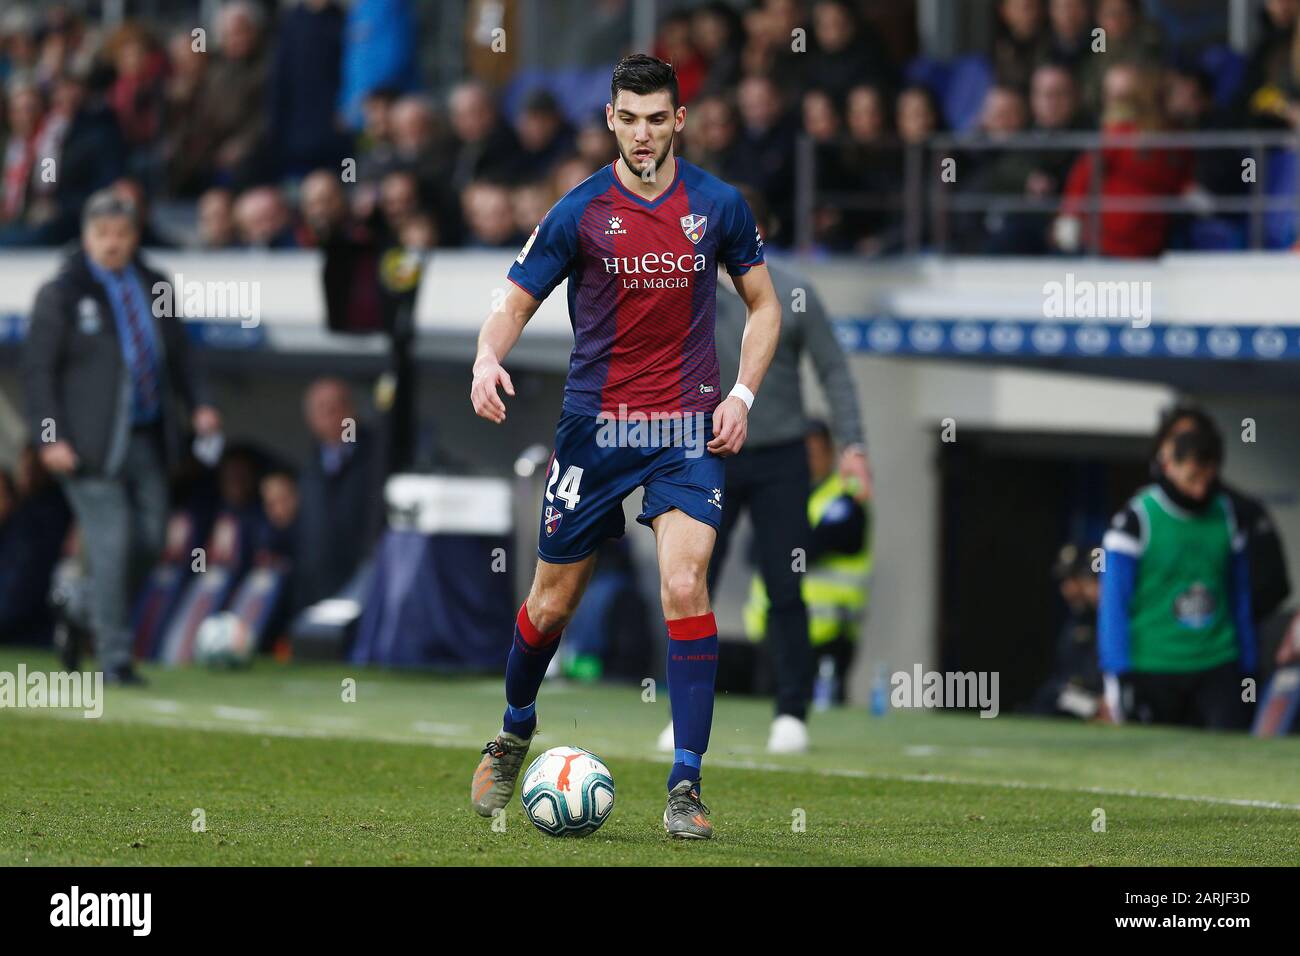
x=969, y=79
x=959, y=85
x=1281, y=181
x=930, y=73
x=1186, y=25
x=1226, y=67
x=580, y=92
x=1218, y=234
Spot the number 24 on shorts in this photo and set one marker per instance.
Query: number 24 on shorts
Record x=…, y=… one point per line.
x=568, y=489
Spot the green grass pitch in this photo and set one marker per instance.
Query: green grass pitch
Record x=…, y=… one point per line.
x=286, y=772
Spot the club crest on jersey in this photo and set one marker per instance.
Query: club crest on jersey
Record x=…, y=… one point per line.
x=553, y=517
x=694, y=226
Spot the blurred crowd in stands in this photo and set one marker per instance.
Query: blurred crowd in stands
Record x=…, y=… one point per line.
x=231, y=122
x=312, y=524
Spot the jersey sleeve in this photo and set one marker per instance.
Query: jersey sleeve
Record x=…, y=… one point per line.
x=547, y=256
x=1123, y=545
x=741, y=248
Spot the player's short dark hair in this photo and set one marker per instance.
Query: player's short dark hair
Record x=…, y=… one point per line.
x=1178, y=413
x=643, y=74
x=1201, y=445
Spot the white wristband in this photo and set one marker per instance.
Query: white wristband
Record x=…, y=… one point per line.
x=741, y=392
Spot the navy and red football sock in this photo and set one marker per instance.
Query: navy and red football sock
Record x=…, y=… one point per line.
x=692, y=668
x=530, y=655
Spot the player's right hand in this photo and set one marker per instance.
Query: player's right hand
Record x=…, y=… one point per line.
x=483, y=393
x=59, y=458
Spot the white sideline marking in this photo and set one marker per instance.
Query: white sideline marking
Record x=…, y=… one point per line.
x=238, y=713
x=163, y=706
x=276, y=730
x=439, y=730
x=1012, y=785
x=342, y=723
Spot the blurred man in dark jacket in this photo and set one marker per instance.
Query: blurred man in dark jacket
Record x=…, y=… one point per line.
x=340, y=489
x=102, y=375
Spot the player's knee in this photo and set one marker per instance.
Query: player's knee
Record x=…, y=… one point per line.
x=685, y=593
x=551, y=610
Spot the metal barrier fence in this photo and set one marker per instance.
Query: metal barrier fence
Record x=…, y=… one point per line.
x=923, y=194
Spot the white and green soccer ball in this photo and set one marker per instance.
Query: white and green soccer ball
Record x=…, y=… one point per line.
x=223, y=641
x=568, y=791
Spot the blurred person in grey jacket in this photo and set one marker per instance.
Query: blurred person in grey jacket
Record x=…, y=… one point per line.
x=770, y=477
x=103, y=375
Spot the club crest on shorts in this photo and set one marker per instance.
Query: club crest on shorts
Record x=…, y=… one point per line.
x=553, y=516
x=694, y=226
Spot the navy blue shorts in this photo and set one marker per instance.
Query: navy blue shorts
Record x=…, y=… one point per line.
x=598, y=462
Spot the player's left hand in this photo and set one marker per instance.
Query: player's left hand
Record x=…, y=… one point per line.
x=855, y=472
x=730, y=427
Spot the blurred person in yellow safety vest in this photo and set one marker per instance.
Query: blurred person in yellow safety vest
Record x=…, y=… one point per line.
x=836, y=583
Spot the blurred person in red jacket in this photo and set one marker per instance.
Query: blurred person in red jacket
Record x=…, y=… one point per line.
x=1128, y=172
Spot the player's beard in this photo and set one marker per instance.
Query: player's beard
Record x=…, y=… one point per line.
x=659, y=160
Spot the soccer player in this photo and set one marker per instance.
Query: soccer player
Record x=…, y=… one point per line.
x=640, y=242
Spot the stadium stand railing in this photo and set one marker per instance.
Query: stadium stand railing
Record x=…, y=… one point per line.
x=924, y=203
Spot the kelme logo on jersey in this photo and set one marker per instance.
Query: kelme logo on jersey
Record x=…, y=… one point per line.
x=615, y=227
x=694, y=227
x=553, y=517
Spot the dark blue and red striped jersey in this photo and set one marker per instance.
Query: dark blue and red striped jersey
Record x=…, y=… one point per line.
x=642, y=287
